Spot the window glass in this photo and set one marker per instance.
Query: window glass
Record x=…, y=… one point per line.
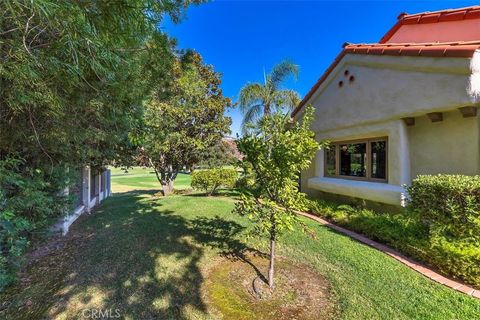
x=353, y=159
x=330, y=160
x=379, y=159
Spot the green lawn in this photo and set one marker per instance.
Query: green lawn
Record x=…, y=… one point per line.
x=139, y=178
x=148, y=257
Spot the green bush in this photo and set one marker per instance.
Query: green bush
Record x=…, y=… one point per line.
x=457, y=257
x=407, y=232
x=29, y=200
x=209, y=180
x=450, y=204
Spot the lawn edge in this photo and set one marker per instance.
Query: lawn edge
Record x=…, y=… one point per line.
x=412, y=264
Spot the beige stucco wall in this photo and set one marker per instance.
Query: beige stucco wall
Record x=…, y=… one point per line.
x=450, y=146
x=385, y=90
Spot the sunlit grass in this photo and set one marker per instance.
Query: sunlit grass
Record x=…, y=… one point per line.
x=148, y=258
x=142, y=178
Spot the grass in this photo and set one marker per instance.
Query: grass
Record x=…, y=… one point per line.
x=147, y=257
x=140, y=178
x=406, y=231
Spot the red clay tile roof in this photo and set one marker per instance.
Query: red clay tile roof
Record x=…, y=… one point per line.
x=433, y=17
x=463, y=49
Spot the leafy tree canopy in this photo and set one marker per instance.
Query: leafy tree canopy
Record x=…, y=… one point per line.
x=185, y=119
x=72, y=76
x=224, y=153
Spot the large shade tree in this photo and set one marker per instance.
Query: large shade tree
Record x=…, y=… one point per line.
x=260, y=99
x=184, y=118
x=72, y=76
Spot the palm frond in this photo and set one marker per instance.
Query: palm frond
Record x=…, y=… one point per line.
x=251, y=116
x=286, y=99
x=250, y=94
x=281, y=72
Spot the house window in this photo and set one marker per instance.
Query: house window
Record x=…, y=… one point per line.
x=378, y=156
x=353, y=159
x=361, y=160
x=330, y=161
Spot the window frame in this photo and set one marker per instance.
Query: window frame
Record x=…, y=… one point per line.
x=368, y=142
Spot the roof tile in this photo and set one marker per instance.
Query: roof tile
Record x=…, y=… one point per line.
x=433, y=17
x=453, y=49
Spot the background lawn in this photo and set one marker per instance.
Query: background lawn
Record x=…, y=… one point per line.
x=141, y=178
x=148, y=257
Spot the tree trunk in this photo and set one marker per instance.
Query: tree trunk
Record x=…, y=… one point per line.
x=266, y=110
x=167, y=187
x=165, y=178
x=272, y=262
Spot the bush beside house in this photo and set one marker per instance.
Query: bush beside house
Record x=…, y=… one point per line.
x=449, y=205
x=440, y=226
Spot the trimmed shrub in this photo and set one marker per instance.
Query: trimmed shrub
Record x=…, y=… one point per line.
x=209, y=180
x=450, y=204
x=457, y=257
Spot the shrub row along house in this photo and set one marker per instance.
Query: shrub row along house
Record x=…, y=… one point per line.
x=396, y=109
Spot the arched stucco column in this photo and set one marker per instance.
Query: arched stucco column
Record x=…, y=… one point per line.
x=403, y=153
x=319, y=163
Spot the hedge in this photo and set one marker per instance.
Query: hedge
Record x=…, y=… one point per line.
x=450, y=204
x=209, y=180
x=29, y=200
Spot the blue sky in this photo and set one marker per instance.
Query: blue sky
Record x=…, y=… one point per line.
x=241, y=38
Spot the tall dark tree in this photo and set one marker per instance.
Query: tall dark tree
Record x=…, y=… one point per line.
x=73, y=78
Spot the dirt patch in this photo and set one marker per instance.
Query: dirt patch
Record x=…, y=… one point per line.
x=299, y=293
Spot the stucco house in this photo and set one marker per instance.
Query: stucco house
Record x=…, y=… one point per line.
x=401, y=107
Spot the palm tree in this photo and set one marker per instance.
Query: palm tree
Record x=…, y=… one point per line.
x=257, y=100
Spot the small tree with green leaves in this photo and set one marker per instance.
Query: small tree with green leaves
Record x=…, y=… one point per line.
x=277, y=152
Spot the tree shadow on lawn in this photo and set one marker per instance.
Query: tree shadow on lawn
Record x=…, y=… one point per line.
x=131, y=257
x=223, y=234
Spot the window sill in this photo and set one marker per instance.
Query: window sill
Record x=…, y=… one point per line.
x=358, y=178
x=369, y=190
